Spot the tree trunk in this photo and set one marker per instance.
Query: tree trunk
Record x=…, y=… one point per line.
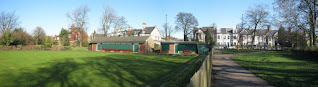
x=253, y=37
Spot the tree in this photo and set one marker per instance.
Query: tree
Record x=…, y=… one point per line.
x=257, y=16
x=65, y=41
x=48, y=42
x=39, y=35
x=107, y=19
x=283, y=37
x=167, y=30
x=208, y=38
x=8, y=21
x=79, y=18
x=6, y=38
x=119, y=22
x=300, y=15
x=185, y=22
x=21, y=37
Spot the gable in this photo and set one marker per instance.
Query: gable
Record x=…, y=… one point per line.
x=155, y=31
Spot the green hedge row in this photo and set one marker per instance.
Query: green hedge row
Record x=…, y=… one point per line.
x=309, y=52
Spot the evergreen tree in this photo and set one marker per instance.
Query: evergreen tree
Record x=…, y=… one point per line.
x=208, y=39
x=65, y=41
x=6, y=38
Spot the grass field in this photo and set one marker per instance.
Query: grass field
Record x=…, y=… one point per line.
x=79, y=49
x=234, y=51
x=85, y=68
x=281, y=69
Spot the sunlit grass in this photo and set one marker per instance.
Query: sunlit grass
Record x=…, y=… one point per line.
x=85, y=68
x=234, y=51
x=281, y=69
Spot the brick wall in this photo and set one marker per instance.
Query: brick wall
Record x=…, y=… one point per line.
x=94, y=47
x=171, y=47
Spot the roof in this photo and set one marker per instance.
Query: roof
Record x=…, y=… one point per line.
x=130, y=39
x=180, y=42
x=99, y=35
x=203, y=29
x=148, y=30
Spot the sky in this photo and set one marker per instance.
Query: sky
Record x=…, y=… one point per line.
x=51, y=14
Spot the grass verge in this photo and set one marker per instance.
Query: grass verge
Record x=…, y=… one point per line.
x=281, y=69
x=234, y=51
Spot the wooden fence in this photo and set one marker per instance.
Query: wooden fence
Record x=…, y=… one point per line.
x=203, y=76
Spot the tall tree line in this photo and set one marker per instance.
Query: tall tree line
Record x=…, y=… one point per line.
x=299, y=16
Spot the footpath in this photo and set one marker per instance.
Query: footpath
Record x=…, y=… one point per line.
x=228, y=73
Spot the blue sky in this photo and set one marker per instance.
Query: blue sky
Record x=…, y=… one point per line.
x=51, y=14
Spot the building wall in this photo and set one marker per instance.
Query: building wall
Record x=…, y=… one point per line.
x=171, y=49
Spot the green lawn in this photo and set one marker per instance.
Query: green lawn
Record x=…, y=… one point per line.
x=281, y=69
x=79, y=48
x=86, y=68
x=234, y=51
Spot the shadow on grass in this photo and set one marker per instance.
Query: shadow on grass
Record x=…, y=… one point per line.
x=283, y=74
x=118, y=70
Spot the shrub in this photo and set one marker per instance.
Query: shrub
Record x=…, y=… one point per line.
x=67, y=48
x=55, y=43
x=85, y=43
x=307, y=52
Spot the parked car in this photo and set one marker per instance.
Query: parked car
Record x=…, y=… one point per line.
x=218, y=47
x=262, y=47
x=231, y=47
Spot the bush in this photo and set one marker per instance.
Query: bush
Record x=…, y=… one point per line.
x=55, y=43
x=307, y=52
x=67, y=48
x=85, y=43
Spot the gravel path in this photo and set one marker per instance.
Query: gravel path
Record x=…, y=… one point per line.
x=228, y=73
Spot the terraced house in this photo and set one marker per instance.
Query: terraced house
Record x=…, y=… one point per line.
x=236, y=36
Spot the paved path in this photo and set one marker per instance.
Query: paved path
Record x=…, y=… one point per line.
x=228, y=73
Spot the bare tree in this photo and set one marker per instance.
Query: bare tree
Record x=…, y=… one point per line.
x=8, y=21
x=185, y=22
x=299, y=15
x=79, y=18
x=39, y=35
x=167, y=30
x=119, y=22
x=309, y=7
x=107, y=19
x=257, y=16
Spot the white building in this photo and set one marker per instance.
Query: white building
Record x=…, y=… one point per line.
x=227, y=36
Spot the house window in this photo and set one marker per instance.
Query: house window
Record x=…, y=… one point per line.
x=234, y=43
x=228, y=37
x=224, y=37
x=234, y=37
x=218, y=36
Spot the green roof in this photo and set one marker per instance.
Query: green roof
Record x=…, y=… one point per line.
x=130, y=39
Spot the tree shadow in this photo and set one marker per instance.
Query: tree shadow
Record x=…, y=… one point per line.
x=284, y=73
x=121, y=70
x=56, y=73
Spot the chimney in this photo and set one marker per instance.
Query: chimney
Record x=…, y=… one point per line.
x=130, y=28
x=269, y=27
x=289, y=29
x=249, y=27
x=237, y=27
x=144, y=25
x=121, y=29
x=213, y=25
